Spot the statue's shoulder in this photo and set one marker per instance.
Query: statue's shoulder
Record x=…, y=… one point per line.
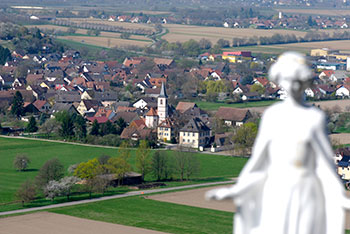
x=280, y=109
x=317, y=113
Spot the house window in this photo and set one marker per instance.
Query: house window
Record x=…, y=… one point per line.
x=194, y=141
x=161, y=101
x=183, y=140
x=188, y=134
x=188, y=140
x=192, y=134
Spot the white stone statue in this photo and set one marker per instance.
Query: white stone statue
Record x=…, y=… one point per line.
x=289, y=185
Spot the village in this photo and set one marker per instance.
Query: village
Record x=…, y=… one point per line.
x=137, y=90
x=146, y=101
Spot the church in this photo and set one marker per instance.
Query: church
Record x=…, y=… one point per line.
x=160, y=118
x=155, y=117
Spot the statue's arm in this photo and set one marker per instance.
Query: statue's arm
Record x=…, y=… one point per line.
x=323, y=148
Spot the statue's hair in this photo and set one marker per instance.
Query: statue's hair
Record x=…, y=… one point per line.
x=290, y=66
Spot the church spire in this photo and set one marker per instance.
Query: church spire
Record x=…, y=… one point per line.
x=163, y=91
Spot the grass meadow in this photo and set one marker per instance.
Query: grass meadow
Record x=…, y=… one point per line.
x=213, y=106
x=213, y=167
x=146, y=213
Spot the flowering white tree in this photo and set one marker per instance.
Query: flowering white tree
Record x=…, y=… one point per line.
x=53, y=189
x=67, y=184
x=58, y=188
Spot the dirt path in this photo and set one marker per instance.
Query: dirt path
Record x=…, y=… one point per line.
x=195, y=197
x=340, y=138
x=128, y=194
x=45, y=222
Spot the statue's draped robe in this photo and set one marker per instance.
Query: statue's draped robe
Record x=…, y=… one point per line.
x=254, y=176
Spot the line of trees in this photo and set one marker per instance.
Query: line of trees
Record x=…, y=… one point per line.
x=102, y=27
x=97, y=174
x=290, y=38
x=70, y=126
x=28, y=40
x=191, y=48
x=52, y=170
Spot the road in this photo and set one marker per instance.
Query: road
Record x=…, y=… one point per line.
x=128, y=194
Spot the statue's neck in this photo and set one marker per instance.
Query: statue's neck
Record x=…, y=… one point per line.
x=295, y=101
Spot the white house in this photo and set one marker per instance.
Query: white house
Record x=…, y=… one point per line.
x=140, y=104
x=145, y=103
x=343, y=91
x=282, y=93
x=309, y=92
x=151, y=118
x=237, y=90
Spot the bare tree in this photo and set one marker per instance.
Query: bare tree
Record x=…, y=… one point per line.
x=192, y=165
x=26, y=193
x=50, y=126
x=187, y=164
x=180, y=161
x=143, y=160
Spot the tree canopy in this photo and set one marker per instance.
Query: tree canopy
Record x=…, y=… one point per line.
x=4, y=55
x=32, y=126
x=17, y=104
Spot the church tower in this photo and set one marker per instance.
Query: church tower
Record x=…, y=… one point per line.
x=162, y=104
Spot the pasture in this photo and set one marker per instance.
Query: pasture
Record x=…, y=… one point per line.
x=182, y=33
x=150, y=12
x=107, y=42
x=330, y=12
x=304, y=47
x=161, y=216
x=213, y=106
x=126, y=25
x=57, y=28
x=176, y=212
x=105, y=39
x=213, y=167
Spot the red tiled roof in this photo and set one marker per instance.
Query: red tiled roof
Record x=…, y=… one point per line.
x=262, y=80
x=163, y=61
x=125, y=109
x=151, y=112
x=184, y=106
x=233, y=114
x=39, y=104
x=101, y=119
x=328, y=73
x=138, y=123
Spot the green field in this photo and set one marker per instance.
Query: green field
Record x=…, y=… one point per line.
x=156, y=215
x=213, y=167
x=211, y=106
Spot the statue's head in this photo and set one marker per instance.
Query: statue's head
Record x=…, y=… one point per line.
x=292, y=72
